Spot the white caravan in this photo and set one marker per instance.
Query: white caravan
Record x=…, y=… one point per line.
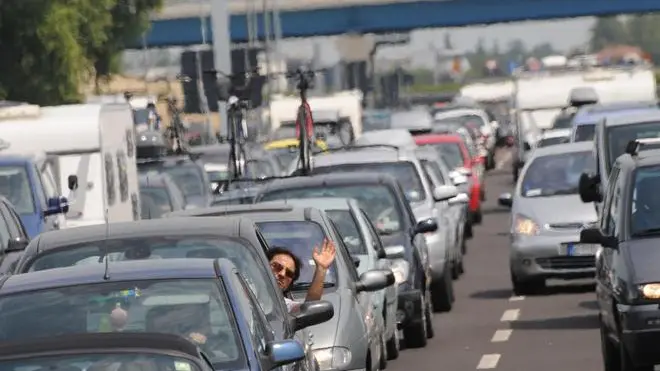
x=95, y=147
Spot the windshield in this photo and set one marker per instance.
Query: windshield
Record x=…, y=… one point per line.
x=645, y=217
x=349, y=231
x=563, y=122
x=377, y=201
x=100, y=362
x=170, y=247
x=300, y=238
x=619, y=136
x=188, y=176
x=15, y=185
x=554, y=175
x=585, y=133
x=181, y=307
x=545, y=142
x=155, y=202
x=450, y=152
x=404, y=171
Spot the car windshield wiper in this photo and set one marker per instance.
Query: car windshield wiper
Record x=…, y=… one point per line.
x=306, y=285
x=648, y=232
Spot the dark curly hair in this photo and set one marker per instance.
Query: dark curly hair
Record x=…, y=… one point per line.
x=276, y=250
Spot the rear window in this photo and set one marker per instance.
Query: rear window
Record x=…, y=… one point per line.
x=585, y=133
x=349, y=230
x=545, y=142
x=451, y=153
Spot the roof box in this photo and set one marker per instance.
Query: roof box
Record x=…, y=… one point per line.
x=582, y=96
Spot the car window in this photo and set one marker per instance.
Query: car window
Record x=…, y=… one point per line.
x=378, y=201
x=619, y=136
x=110, y=360
x=432, y=172
x=372, y=231
x=257, y=325
x=12, y=224
x=300, y=238
x=166, y=247
x=585, y=133
x=450, y=152
x=181, y=307
x=5, y=234
x=644, y=205
x=554, y=175
x=15, y=185
x=349, y=231
x=404, y=171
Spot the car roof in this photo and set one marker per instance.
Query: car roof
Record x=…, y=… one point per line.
x=135, y=270
x=558, y=149
x=633, y=117
x=324, y=203
x=224, y=210
x=366, y=155
x=397, y=137
x=438, y=138
x=457, y=112
x=331, y=179
x=100, y=341
x=141, y=228
x=592, y=113
x=260, y=212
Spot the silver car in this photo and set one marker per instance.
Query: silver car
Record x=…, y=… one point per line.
x=547, y=215
x=368, y=253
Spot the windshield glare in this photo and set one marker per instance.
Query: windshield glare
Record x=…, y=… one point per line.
x=179, y=307
x=155, y=202
x=376, y=200
x=585, y=132
x=102, y=361
x=349, y=231
x=300, y=238
x=619, y=136
x=450, y=152
x=170, y=247
x=404, y=171
x=15, y=185
x=645, y=218
x=554, y=175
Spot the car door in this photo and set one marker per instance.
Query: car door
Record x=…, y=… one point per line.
x=604, y=269
x=444, y=212
x=11, y=228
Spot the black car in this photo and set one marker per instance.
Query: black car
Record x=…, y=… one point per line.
x=187, y=173
x=13, y=236
x=101, y=351
x=236, y=239
x=401, y=244
x=627, y=274
x=159, y=195
x=206, y=300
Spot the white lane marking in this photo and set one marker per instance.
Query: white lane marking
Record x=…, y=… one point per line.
x=488, y=361
x=503, y=161
x=510, y=315
x=516, y=298
x=501, y=336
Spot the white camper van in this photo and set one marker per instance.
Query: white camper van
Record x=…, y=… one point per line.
x=95, y=147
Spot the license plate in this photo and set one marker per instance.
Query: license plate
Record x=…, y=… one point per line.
x=579, y=249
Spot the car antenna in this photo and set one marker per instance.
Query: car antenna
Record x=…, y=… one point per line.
x=106, y=275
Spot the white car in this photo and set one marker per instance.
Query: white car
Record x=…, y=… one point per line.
x=552, y=137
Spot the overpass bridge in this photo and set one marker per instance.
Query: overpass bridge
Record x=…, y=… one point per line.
x=179, y=24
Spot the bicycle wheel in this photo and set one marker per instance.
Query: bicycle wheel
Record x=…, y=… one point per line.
x=303, y=137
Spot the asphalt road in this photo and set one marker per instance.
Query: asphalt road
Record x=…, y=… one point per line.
x=489, y=328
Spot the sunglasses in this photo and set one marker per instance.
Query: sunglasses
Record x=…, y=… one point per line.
x=277, y=267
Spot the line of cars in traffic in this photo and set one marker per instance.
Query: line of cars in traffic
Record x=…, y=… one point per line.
x=400, y=213
x=588, y=207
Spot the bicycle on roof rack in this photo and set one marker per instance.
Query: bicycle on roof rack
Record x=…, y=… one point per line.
x=304, y=121
x=176, y=130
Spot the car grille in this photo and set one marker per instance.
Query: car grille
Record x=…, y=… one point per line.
x=566, y=226
x=567, y=262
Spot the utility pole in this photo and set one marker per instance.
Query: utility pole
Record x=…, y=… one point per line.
x=201, y=91
x=221, y=50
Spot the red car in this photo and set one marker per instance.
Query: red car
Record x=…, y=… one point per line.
x=458, y=158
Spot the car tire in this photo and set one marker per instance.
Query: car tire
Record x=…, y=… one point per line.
x=516, y=173
x=442, y=292
x=609, y=351
x=382, y=362
x=478, y=216
x=393, y=346
x=528, y=286
x=430, y=333
x=415, y=335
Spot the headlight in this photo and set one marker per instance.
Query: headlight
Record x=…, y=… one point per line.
x=400, y=268
x=525, y=226
x=332, y=358
x=650, y=290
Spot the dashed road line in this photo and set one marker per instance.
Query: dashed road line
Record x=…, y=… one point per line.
x=488, y=361
x=501, y=336
x=510, y=315
x=516, y=298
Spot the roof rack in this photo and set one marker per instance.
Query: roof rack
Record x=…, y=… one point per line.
x=635, y=146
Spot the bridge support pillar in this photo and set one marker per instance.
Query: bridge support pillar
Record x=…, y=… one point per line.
x=221, y=50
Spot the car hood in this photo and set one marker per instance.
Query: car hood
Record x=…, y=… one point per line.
x=643, y=255
x=324, y=334
x=555, y=210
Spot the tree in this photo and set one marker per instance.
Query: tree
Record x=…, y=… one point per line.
x=44, y=47
x=608, y=31
x=448, y=44
x=644, y=31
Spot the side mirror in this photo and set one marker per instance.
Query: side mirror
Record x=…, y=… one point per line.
x=284, y=352
x=356, y=261
x=461, y=198
x=17, y=244
x=505, y=199
x=57, y=205
x=426, y=226
x=594, y=236
x=395, y=252
x=444, y=192
x=459, y=179
x=312, y=313
x=375, y=280
x=72, y=181
x=589, y=188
